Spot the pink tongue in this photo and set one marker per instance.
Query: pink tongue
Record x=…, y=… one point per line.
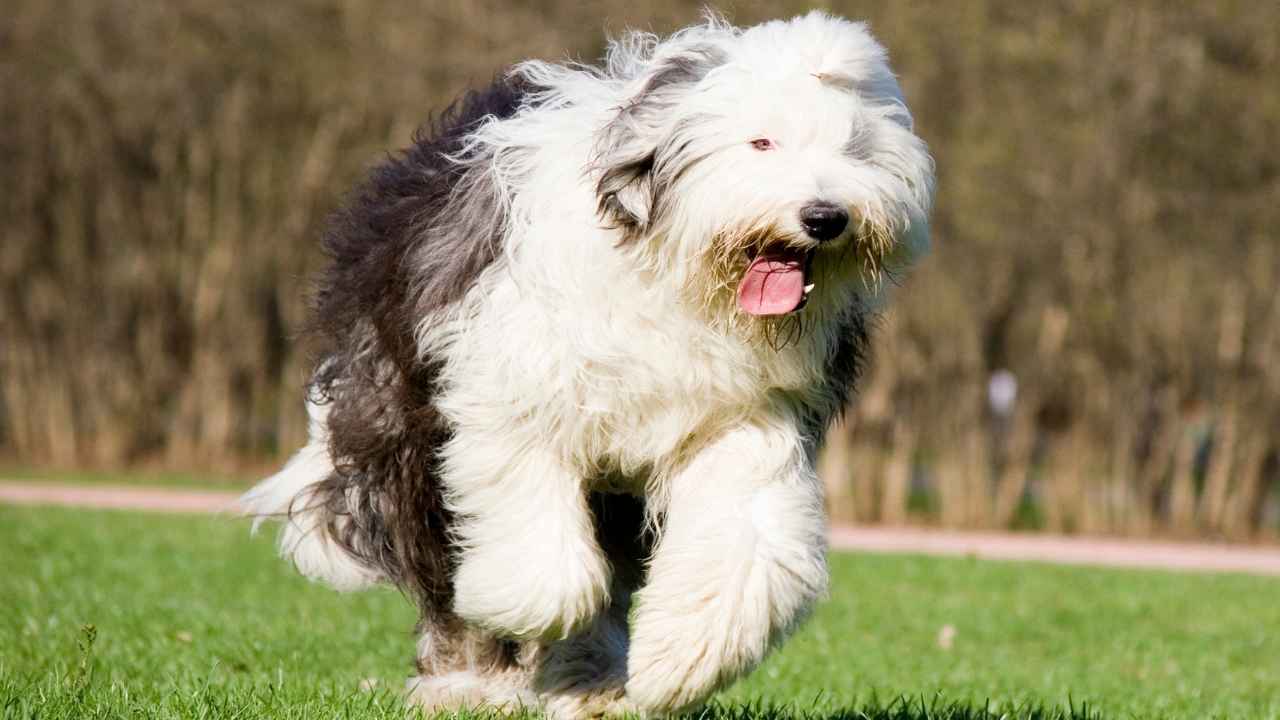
x=773, y=285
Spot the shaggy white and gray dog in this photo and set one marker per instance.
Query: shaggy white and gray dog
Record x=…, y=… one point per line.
x=582, y=341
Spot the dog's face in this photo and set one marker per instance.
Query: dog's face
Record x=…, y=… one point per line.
x=768, y=170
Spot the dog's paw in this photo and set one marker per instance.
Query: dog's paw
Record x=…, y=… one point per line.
x=680, y=654
x=531, y=593
x=673, y=664
x=658, y=686
x=454, y=692
x=607, y=702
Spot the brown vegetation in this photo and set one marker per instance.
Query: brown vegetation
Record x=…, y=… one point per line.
x=1109, y=193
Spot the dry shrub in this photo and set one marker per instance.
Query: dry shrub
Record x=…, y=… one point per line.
x=1105, y=231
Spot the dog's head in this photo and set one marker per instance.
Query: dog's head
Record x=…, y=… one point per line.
x=768, y=169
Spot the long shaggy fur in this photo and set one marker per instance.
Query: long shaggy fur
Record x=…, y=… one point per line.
x=419, y=234
x=539, y=399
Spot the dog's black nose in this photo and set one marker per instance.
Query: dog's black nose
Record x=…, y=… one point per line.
x=823, y=220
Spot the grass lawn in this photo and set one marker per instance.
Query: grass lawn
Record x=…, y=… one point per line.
x=192, y=618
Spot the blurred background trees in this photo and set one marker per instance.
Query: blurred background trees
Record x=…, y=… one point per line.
x=1093, y=346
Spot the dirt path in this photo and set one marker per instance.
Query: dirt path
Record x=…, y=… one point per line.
x=1196, y=556
x=118, y=497
x=996, y=546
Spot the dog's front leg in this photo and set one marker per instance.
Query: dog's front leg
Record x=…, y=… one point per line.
x=741, y=557
x=529, y=563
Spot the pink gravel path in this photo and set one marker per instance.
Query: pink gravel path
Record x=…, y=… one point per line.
x=1196, y=556
x=1187, y=556
x=118, y=498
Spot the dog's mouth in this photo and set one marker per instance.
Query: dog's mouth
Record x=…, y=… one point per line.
x=777, y=282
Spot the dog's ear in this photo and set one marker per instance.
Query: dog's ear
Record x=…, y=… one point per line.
x=625, y=190
x=630, y=147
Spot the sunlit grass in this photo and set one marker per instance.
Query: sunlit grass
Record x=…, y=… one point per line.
x=192, y=618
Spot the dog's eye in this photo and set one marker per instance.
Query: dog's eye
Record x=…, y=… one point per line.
x=762, y=144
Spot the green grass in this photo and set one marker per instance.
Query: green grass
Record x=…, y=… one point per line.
x=192, y=618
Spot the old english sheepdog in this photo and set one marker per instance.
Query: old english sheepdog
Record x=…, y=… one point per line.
x=582, y=341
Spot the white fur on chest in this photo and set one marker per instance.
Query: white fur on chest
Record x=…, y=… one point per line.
x=568, y=346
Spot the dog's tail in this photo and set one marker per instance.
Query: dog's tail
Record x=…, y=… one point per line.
x=307, y=536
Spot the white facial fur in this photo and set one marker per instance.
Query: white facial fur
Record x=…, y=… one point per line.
x=820, y=92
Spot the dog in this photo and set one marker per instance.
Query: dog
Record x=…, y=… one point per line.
x=581, y=343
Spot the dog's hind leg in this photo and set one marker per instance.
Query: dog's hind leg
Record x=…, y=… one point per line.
x=529, y=565
x=585, y=676
x=740, y=559
x=466, y=668
x=462, y=667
